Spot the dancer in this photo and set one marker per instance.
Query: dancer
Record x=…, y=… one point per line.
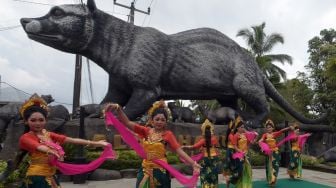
x=242, y=174
x=210, y=161
x=272, y=151
x=229, y=163
x=154, y=141
x=297, y=142
x=43, y=145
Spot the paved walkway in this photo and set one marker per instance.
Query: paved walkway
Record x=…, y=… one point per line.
x=258, y=174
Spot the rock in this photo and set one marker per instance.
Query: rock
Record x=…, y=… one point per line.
x=129, y=173
x=64, y=178
x=102, y=174
x=330, y=155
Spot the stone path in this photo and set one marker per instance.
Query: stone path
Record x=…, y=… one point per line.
x=258, y=174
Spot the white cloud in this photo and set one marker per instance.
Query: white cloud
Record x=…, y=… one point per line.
x=19, y=77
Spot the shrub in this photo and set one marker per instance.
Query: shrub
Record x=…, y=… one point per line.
x=173, y=158
x=309, y=160
x=256, y=158
x=127, y=159
x=17, y=175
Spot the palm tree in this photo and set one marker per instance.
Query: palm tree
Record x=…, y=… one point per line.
x=260, y=45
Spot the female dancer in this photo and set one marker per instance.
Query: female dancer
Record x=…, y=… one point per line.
x=42, y=144
x=154, y=141
x=297, y=142
x=273, y=155
x=229, y=164
x=242, y=174
x=210, y=161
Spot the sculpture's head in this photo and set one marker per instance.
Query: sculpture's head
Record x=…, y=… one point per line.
x=48, y=98
x=67, y=28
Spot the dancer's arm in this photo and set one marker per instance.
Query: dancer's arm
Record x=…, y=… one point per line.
x=186, y=157
x=197, y=145
x=121, y=115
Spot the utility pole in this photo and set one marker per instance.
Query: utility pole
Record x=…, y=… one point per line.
x=132, y=10
x=77, y=84
x=0, y=86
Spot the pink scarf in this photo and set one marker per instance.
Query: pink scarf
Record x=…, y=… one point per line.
x=56, y=147
x=265, y=148
x=238, y=155
x=301, y=138
x=250, y=136
x=129, y=138
x=72, y=169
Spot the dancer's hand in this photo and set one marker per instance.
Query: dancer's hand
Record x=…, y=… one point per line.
x=186, y=147
x=54, y=153
x=101, y=143
x=196, y=167
x=111, y=107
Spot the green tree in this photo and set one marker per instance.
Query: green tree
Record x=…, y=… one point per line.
x=260, y=45
x=297, y=92
x=201, y=106
x=322, y=67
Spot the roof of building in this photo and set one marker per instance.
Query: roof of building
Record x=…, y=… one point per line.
x=10, y=94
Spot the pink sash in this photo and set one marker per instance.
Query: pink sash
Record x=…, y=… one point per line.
x=72, y=169
x=301, y=138
x=238, y=155
x=196, y=158
x=265, y=148
x=250, y=136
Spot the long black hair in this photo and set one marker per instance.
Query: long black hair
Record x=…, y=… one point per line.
x=160, y=110
x=240, y=123
x=207, y=137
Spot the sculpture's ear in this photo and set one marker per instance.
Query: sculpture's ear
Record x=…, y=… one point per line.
x=91, y=5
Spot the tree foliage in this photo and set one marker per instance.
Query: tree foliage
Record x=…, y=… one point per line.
x=297, y=92
x=260, y=45
x=322, y=68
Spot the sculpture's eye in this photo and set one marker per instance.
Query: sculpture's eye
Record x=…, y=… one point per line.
x=57, y=12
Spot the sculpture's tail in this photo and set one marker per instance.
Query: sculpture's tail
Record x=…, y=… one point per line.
x=275, y=95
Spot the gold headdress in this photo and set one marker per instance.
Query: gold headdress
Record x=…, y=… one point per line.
x=34, y=100
x=269, y=122
x=231, y=124
x=237, y=121
x=206, y=124
x=296, y=125
x=156, y=105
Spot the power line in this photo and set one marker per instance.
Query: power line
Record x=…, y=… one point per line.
x=10, y=85
x=150, y=4
x=32, y=2
x=152, y=13
x=16, y=88
x=9, y=27
x=90, y=79
x=132, y=10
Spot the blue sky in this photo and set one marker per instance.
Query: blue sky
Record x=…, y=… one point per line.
x=33, y=67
